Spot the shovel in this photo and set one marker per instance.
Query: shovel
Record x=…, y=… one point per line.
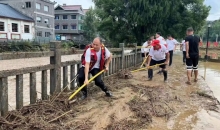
x=80, y=88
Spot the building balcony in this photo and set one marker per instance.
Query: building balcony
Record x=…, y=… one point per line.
x=68, y=31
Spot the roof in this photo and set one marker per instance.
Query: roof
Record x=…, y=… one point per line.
x=9, y=12
x=85, y=10
x=70, y=7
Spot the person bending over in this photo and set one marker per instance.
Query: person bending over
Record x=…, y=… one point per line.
x=158, y=54
x=96, y=57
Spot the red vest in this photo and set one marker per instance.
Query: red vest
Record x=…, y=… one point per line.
x=94, y=57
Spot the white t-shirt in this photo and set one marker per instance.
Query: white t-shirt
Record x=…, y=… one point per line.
x=171, y=44
x=160, y=54
x=144, y=49
x=162, y=40
x=97, y=64
x=184, y=45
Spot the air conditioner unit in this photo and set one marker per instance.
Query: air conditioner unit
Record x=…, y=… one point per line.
x=23, y=7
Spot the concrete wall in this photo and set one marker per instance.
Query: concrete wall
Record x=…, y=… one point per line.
x=16, y=35
x=32, y=12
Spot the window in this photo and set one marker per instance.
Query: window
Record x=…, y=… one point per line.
x=14, y=27
x=65, y=26
x=39, y=34
x=38, y=19
x=28, y=4
x=80, y=27
x=2, y=26
x=46, y=8
x=73, y=16
x=57, y=27
x=64, y=16
x=26, y=29
x=47, y=34
x=46, y=20
x=57, y=17
x=37, y=6
x=73, y=27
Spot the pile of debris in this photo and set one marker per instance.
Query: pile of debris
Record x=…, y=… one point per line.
x=145, y=106
x=44, y=115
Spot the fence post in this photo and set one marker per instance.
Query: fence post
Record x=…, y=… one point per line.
x=3, y=96
x=55, y=74
x=121, y=45
x=135, y=55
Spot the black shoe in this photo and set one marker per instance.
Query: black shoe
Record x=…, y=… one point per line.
x=83, y=97
x=159, y=72
x=108, y=94
x=149, y=79
x=165, y=80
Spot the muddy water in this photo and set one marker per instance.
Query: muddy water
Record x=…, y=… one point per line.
x=195, y=118
x=211, y=74
x=209, y=120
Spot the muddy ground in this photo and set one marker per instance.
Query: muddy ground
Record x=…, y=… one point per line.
x=137, y=104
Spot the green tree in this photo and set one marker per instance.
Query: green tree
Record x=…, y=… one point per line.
x=214, y=31
x=135, y=20
x=89, y=24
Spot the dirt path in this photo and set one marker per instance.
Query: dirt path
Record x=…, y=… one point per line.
x=137, y=104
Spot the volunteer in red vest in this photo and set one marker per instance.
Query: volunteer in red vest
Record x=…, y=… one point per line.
x=171, y=45
x=158, y=54
x=162, y=41
x=95, y=58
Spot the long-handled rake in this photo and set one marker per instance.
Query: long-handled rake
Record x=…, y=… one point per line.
x=128, y=74
x=149, y=67
x=144, y=61
x=80, y=88
x=64, y=88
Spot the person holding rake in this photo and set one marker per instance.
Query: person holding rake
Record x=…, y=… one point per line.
x=158, y=54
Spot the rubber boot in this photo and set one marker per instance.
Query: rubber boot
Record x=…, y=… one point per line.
x=165, y=75
x=84, y=95
x=150, y=74
x=107, y=92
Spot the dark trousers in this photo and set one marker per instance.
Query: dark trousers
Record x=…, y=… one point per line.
x=171, y=57
x=98, y=80
x=184, y=56
x=153, y=62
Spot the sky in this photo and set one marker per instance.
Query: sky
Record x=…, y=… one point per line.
x=214, y=13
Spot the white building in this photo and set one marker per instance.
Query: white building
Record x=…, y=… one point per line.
x=15, y=25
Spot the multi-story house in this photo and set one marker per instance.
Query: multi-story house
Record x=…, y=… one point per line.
x=15, y=25
x=68, y=22
x=42, y=11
